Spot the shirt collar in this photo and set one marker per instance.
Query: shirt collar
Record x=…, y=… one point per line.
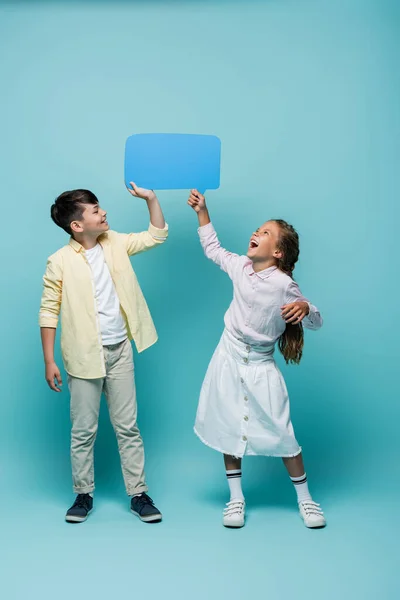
x=78, y=247
x=262, y=274
x=75, y=245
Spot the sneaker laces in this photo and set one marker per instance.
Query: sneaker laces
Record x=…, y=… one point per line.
x=311, y=508
x=81, y=501
x=144, y=499
x=234, y=507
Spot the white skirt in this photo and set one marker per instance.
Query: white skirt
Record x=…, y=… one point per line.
x=244, y=404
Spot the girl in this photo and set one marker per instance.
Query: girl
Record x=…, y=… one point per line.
x=244, y=405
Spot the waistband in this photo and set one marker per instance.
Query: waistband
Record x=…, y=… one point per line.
x=246, y=353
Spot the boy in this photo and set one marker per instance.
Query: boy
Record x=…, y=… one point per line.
x=103, y=309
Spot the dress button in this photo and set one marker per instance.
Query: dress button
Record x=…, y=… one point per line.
x=244, y=438
x=246, y=418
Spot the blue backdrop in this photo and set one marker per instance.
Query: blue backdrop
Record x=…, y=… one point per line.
x=305, y=98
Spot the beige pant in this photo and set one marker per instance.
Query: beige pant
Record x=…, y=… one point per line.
x=119, y=389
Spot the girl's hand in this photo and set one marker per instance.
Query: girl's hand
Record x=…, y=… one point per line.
x=139, y=192
x=295, y=312
x=197, y=201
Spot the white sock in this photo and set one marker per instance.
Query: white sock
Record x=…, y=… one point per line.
x=235, y=484
x=301, y=487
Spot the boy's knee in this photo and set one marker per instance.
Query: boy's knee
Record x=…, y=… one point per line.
x=81, y=436
x=130, y=430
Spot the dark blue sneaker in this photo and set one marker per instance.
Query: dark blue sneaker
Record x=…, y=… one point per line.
x=80, y=509
x=143, y=507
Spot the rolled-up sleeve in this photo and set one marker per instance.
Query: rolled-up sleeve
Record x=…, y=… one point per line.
x=136, y=243
x=313, y=320
x=50, y=305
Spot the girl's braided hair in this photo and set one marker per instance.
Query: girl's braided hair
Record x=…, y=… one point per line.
x=291, y=341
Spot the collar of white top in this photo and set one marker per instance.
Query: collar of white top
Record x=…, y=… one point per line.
x=262, y=274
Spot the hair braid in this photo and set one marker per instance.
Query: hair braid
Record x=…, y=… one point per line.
x=291, y=342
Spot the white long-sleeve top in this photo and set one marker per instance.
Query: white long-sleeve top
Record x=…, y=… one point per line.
x=254, y=316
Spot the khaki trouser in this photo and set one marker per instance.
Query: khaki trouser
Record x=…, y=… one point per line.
x=119, y=389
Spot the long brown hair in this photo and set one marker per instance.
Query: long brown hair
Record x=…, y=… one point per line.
x=291, y=342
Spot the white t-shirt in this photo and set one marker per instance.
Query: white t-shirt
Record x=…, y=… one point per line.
x=112, y=325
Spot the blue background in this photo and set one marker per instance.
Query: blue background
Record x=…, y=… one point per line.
x=304, y=96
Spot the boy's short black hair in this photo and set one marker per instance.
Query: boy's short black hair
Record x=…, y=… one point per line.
x=69, y=206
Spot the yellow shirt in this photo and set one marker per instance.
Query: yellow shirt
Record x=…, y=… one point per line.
x=69, y=288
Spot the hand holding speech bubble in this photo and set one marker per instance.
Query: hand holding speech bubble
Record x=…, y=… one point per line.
x=172, y=161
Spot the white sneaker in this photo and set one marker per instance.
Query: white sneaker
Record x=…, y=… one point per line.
x=234, y=514
x=312, y=514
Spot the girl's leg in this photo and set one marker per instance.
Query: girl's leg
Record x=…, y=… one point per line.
x=232, y=463
x=234, y=512
x=233, y=468
x=295, y=468
x=310, y=512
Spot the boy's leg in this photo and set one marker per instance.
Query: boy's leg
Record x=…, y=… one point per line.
x=85, y=407
x=120, y=392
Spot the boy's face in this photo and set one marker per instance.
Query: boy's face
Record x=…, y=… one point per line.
x=263, y=244
x=93, y=222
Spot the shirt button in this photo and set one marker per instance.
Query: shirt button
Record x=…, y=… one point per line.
x=244, y=438
x=241, y=380
x=246, y=398
x=246, y=418
x=246, y=360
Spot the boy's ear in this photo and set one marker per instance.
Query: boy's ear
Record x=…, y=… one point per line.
x=76, y=227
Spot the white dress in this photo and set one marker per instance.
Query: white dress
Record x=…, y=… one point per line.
x=244, y=405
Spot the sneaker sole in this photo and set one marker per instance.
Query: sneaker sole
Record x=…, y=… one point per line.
x=312, y=526
x=150, y=519
x=73, y=519
x=233, y=526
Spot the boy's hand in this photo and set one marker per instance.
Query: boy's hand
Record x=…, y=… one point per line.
x=139, y=192
x=197, y=201
x=295, y=312
x=53, y=377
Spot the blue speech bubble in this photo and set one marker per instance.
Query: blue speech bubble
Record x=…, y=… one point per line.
x=172, y=161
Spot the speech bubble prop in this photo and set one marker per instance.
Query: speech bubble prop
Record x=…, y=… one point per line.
x=173, y=161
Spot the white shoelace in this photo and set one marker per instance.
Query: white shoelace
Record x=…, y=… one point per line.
x=234, y=507
x=311, y=508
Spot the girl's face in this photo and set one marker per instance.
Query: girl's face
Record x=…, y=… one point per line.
x=263, y=246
